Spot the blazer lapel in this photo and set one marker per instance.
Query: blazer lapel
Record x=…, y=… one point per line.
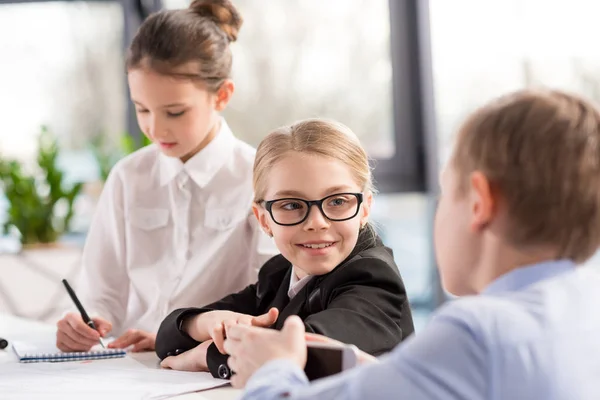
x=282, y=299
x=297, y=305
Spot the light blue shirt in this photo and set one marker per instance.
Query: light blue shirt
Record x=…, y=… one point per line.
x=533, y=334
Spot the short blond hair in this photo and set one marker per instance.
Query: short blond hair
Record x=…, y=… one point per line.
x=541, y=150
x=321, y=137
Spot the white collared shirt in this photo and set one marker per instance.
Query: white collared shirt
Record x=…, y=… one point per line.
x=296, y=284
x=168, y=234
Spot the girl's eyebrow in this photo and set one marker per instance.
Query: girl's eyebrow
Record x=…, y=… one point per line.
x=173, y=105
x=165, y=106
x=338, y=189
x=294, y=193
x=290, y=193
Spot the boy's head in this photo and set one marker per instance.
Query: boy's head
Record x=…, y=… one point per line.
x=522, y=186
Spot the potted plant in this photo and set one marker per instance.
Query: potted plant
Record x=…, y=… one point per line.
x=40, y=203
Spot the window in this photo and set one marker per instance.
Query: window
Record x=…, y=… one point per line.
x=62, y=66
x=484, y=49
x=300, y=59
x=321, y=62
x=404, y=222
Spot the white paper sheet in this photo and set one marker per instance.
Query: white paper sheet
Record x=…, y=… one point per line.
x=122, y=378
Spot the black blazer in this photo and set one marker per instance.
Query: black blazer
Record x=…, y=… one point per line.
x=362, y=302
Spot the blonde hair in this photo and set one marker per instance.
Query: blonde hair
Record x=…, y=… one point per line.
x=541, y=150
x=321, y=137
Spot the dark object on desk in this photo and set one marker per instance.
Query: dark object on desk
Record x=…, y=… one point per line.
x=361, y=302
x=3, y=344
x=84, y=315
x=326, y=359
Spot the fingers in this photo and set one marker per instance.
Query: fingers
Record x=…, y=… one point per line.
x=242, y=373
x=102, y=325
x=77, y=325
x=238, y=331
x=294, y=322
x=191, y=360
x=74, y=335
x=293, y=329
x=315, y=337
x=130, y=337
x=218, y=336
x=65, y=343
x=231, y=347
x=267, y=319
x=237, y=381
x=146, y=344
x=168, y=362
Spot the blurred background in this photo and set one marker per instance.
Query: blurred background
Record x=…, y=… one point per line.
x=401, y=73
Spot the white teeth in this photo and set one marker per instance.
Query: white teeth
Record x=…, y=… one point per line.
x=317, y=246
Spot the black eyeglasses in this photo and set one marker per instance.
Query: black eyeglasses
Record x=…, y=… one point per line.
x=337, y=207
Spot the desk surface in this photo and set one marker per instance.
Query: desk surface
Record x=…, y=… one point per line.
x=11, y=326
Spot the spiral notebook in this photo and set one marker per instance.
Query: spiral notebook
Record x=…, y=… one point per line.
x=30, y=353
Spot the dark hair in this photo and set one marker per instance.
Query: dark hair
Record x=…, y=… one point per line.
x=540, y=149
x=201, y=33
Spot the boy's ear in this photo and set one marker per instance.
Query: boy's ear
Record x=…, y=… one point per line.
x=224, y=94
x=366, y=208
x=483, y=201
x=261, y=216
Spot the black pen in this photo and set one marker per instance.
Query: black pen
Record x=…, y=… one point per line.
x=84, y=315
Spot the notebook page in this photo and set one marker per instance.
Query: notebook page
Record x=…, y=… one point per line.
x=99, y=379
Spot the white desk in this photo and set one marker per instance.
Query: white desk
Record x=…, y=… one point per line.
x=11, y=326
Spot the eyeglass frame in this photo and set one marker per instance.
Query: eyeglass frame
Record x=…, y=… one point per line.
x=268, y=205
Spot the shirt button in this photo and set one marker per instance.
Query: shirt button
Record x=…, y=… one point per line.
x=181, y=182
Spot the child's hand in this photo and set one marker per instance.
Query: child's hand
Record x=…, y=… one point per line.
x=265, y=320
x=75, y=335
x=141, y=340
x=251, y=347
x=363, y=358
x=201, y=327
x=192, y=360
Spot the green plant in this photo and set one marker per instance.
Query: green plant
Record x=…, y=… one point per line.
x=107, y=156
x=40, y=204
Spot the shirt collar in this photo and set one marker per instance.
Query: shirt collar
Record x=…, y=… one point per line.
x=297, y=284
x=528, y=275
x=203, y=165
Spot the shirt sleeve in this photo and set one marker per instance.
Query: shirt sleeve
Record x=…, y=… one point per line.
x=104, y=282
x=445, y=361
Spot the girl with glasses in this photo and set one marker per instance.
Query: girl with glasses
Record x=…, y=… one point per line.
x=313, y=194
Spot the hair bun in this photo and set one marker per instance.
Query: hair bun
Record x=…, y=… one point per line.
x=221, y=12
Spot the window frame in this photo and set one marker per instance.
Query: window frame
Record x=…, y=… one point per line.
x=414, y=165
